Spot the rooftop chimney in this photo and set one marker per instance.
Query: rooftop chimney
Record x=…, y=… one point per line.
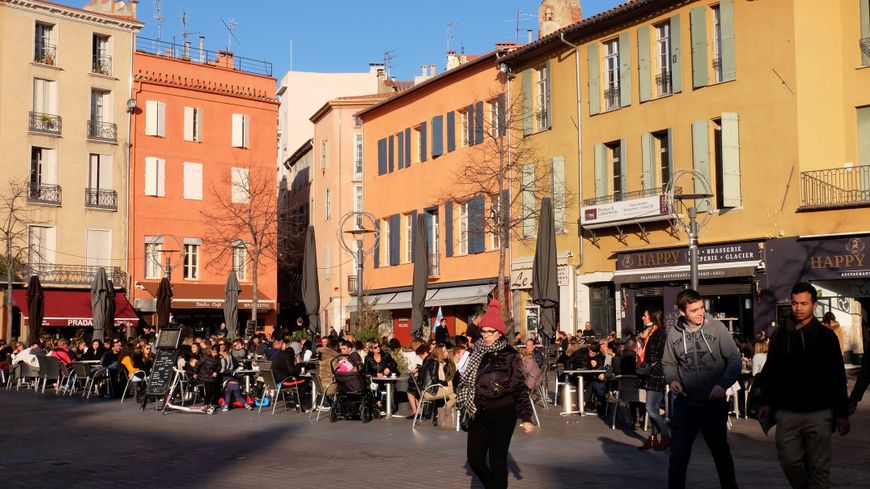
x=556, y=14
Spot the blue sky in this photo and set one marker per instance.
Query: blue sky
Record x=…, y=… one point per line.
x=346, y=35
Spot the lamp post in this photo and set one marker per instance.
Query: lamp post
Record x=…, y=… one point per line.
x=693, y=233
x=360, y=224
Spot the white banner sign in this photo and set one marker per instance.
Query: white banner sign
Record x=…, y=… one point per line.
x=655, y=205
x=521, y=276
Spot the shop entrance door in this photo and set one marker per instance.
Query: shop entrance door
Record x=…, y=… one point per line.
x=602, y=308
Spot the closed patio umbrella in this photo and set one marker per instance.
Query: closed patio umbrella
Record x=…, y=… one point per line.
x=231, y=305
x=164, y=302
x=420, y=256
x=545, y=284
x=35, y=307
x=100, y=297
x=311, y=284
x=110, y=310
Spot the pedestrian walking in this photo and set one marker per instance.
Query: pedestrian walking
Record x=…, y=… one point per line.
x=492, y=394
x=860, y=385
x=654, y=381
x=700, y=362
x=803, y=388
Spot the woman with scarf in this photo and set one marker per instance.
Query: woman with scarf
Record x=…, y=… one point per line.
x=654, y=381
x=492, y=395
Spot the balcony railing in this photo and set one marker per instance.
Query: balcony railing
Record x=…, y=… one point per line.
x=43, y=193
x=202, y=56
x=434, y=265
x=622, y=196
x=835, y=187
x=45, y=123
x=102, y=131
x=102, y=64
x=717, y=64
x=54, y=274
x=45, y=54
x=663, y=81
x=101, y=199
x=611, y=98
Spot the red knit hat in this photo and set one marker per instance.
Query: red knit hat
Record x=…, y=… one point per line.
x=492, y=317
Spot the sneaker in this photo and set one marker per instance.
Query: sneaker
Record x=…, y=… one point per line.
x=249, y=407
x=225, y=409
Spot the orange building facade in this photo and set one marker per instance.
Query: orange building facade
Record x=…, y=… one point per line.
x=201, y=129
x=415, y=144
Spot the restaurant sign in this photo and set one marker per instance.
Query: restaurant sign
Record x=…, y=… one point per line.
x=521, y=276
x=720, y=253
x=819, y=259
x=644, y=207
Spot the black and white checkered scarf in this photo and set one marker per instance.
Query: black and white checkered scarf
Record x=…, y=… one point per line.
x=465, y=395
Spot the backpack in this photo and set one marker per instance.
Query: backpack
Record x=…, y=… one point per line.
x=531, y=371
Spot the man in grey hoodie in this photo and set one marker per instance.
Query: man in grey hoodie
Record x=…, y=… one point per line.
x=700, y=362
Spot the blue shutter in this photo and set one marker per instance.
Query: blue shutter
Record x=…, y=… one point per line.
x=469, y=132
x=506, y=216
x=390, y=152
x=448, y=229
x=407, y=146
x=423, y=133
x=395, y=238
x=451, y=131
x=476, y=225
x=413, y=228
x=501, y=116
x=478, y=123
x=377, y=252
x=382, y=156
x=400, y=138
x=437, y=136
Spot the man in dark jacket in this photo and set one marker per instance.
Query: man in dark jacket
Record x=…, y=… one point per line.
x=803, y=386
x=283, y=361
x=860, y=385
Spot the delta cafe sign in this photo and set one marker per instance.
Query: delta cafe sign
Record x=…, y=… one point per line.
x=643, y=207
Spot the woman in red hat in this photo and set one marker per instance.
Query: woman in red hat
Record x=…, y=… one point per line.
x=492, y=395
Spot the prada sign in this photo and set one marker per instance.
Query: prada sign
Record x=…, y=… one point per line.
x=720, y=253
x=819, y=259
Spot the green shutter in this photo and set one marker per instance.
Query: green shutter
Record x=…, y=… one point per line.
x=594, y=79
x=676, y=56
x=701, y=158
x=698, y=18
x=528, y=128
x=623, y=166
x=557, y=165
x=527, y=186
x=670, y=155
x=624, y=70
x=643, y=71
x=865, y=30
x=730, y=160
x=726, y=26
x=549, y=122
x=647, y=152
x=600, y=170
x=863, y=114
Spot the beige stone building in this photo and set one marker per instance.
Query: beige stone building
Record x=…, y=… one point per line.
x=64, y=131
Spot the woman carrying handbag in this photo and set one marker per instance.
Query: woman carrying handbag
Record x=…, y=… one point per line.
x=652, y=377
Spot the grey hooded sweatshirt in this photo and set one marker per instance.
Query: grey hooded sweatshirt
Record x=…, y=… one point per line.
x=700, y=359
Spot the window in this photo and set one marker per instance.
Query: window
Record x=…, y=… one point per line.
x=662, y=144
x=43, y=169
x=241, y=131
x=717, y=44
x=409, y=237
x=616, y=164
x=542, y=114
x=611, y=74
x=100, y=172
x=45, y=96
x=726, y=161
x=43, y=46
x=153, y=247
x=432, y=217
x=358, y=205
x=155, y=118
x=419, y=149
x=98, y=247
x=463, y=228
x=240, y=261
x=100, y=111
x=191, y=258
x=155, y=171
x=463, y=123
x=193, y=124
x=193, y=181
x=497, y=222
x=324, y=144
x=357, y=156
x=527, y=197
x=663, y=58
x=327, y=204
x=41, y=245
x=240, y=188
x=102, y=58
x=386, y=241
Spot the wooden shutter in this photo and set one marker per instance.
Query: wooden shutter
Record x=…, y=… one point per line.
x=238, y=130
x=478, y=123
x=726, y=27
x=382, y=156
x=193, y=181
x=558, y=185
x=150, y=176
x=377, y=250
x=647, y=152
x=623, y=166
x=676, y=56
x=395, y=238
x=624, y=70
x=106, y=164
x=407, y=146
x=391, y=153
x=469, y=131
x=437, y=136
x=476, y=225
x=49, y=166
x=601, y=172
x=413, y=232
x=451, y=131
x=548, y=96
x=527, y=184
x=448, y=229
x=424, y=130
x=730, y=160
x=594, y=79
x=643, y=63
x=188, y=123
x=701, y=158
x=528, y=126
x=698, y=19
x=500, y=114
x=400, y=137
x=151, y=117
x=865, y=29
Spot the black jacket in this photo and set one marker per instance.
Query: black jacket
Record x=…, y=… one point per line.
x=862, y=382
x=500, y=382
x=804, y=371
x=284, y=365
x=387, y=362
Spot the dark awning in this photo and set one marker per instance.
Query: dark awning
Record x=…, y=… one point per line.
x=73, y=308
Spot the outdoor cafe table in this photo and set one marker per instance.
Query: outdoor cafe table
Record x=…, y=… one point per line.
x=566, y=396
x=390, y=382
x=247, y=374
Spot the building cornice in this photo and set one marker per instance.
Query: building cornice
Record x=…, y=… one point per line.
x=74, y=14
x=191, y=83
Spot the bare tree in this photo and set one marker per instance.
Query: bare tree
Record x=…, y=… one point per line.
x=505, y=166
x=244, y=215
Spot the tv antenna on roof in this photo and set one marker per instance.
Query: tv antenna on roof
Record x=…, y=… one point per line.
x=521, y=17
x=230, y=24
x=184, y=32
x=388, y=58
x=159, y=18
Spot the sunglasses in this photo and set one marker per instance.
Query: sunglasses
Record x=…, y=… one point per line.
x=487, y=332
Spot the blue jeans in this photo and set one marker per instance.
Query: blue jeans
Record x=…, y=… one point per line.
x=653, y=403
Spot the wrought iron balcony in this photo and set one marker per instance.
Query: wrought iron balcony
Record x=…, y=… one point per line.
x=623, y=196
x=43, y=193
x=44, y=53
x=434, y=265
x=663, y=81
x=101, y=199
x=102, y=131
x=865, y=46
x=717, y=64
x=45, y=123
x=352, y=285
x=611, y=98
x=55, y=274
x=102, y=64
x=832, y=188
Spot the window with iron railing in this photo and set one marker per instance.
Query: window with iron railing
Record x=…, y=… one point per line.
x=101, y=61
x=43, y=47
x=102, y=131
x=835, y=187
x=44, y=193
x=99, y=198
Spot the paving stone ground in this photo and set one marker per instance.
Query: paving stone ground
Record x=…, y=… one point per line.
x=53, y=442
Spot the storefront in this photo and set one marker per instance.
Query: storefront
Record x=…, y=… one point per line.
x=68, y=310
x=727, y=275
x=839, y=269
x=525, y=311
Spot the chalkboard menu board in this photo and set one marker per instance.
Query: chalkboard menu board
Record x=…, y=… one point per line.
x=161, y=372
x=168, y=338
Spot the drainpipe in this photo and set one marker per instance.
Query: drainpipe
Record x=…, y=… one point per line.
x=127, y=210
x=579, y=167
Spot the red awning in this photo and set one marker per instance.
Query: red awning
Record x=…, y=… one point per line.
x=210, y=296
x=73, y=308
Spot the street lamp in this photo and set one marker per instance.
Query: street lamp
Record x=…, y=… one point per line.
x=693, y=232
x=359, y=227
